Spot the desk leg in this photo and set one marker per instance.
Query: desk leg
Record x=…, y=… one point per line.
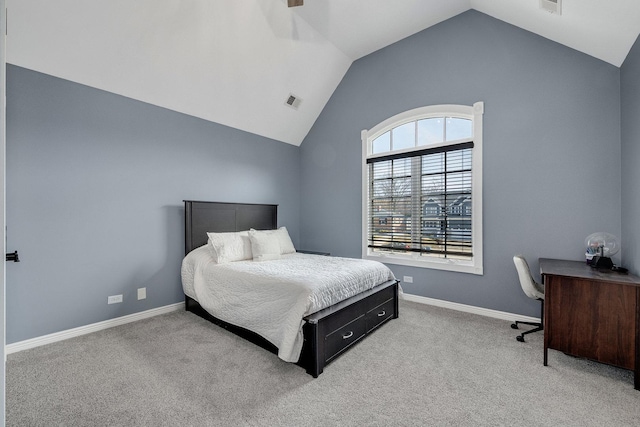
x=545, y=319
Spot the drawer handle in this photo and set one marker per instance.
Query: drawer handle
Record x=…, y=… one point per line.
x=347, y=335
x=382, y=313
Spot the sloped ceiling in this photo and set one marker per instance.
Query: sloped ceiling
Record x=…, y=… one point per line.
x=236, y=62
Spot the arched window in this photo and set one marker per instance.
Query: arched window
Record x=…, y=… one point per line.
x=422, y=174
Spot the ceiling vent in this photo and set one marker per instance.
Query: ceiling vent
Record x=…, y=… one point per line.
x=293, y=101
x=552, y=6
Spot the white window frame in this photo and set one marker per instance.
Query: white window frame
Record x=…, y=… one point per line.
x=474, y=113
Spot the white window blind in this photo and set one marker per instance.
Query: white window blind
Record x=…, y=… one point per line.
x=421, y=202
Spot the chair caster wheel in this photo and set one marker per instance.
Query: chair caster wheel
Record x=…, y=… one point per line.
x=520, y=338
x=514, y=326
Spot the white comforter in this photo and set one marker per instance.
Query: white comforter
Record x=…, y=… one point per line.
x=271, y=297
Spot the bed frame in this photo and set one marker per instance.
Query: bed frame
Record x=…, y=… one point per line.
x=327, y=333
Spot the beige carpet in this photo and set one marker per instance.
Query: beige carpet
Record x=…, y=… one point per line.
x=431, y=367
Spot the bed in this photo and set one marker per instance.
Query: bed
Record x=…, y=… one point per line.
x=322, y=335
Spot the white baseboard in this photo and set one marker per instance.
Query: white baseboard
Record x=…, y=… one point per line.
x=503, y=315
x=94, y=327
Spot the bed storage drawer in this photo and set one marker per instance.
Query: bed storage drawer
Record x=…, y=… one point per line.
x=330, y=332
x=378, y=315
x=342, y=338
x=341, y=318
x=381, y=297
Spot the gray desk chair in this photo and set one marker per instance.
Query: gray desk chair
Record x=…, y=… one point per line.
x=533, y=290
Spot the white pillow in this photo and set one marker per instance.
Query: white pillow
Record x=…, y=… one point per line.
x=282, y=235
x=264, y=245
x=229, y=247
x=286, y=245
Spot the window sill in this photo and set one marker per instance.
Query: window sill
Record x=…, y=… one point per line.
x=447, y=265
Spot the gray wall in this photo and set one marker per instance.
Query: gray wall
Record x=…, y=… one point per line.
x=95, y=181
x=95, y=184
x=551, y=149
x=630, y=98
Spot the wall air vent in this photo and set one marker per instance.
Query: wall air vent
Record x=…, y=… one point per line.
x=552, y=6
x=293, y=101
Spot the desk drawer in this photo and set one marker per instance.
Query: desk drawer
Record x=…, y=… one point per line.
x=379, y=314
x=341, y=339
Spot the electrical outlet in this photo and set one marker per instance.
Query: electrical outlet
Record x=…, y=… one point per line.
x=142, y=293
x=114, y=299
x=407, y=279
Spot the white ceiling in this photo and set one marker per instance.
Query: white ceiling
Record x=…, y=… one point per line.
x=235, y=62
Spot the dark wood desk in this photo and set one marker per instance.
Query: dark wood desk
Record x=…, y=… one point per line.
x=592, y=314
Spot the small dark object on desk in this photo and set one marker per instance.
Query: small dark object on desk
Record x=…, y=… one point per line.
x=601, y=262
x=620, y=270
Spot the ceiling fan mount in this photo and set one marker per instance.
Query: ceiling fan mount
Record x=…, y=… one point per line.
x=294, y=3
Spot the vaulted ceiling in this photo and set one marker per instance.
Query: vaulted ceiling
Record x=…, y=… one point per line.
x=237, y=62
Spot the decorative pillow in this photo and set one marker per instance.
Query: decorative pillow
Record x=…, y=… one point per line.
x=229, y=247
x=264, y=245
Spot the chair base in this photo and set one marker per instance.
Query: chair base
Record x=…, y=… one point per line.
x=521, y=336
x=538, y=325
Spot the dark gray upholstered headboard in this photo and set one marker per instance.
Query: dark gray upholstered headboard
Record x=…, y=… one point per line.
x=218, y=217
